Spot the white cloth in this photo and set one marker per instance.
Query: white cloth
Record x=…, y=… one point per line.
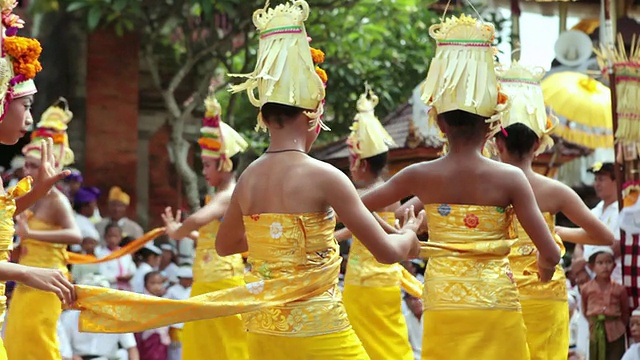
x=609, y=216
x=74, y=342
x=87, y=230
x=122, y=266
x=178, y=292
x=137, y=282
x=632, y=353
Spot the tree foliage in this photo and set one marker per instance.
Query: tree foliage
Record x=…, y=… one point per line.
x=188, y=45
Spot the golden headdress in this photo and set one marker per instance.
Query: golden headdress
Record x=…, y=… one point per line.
x=368, y=137
x=116, y=194
x=285, y=72
x=522, y=85
x=53, y=124
x=18, y=60
x=462, y=74
x=627, y=70
x=219, y=140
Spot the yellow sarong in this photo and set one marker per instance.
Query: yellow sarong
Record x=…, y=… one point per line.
x=471, y=308
x=291, y=291
x=544, y=305
x=373, y=301
x=7, y=211
x=221, y=338
x=31, y=332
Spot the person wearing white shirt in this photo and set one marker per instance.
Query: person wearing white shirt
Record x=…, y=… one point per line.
x=76, y=345
x=412, y=311
x=150, y=261
x=607, y=211
x=119, y=271
x=85, y=203
x=179, y=291
x=633, y=352
x=90, y=239
x=169, y=268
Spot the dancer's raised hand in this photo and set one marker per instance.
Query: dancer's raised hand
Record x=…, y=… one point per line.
x=48, y=172
x=171, y=223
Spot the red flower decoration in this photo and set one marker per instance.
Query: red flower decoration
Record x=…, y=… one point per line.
x=471, y=221
x=255, y=217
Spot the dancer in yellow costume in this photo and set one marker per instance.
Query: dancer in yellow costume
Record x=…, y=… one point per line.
x=372, y=295
x=471, y=307
x=544, y=305
x=33, y=315
x=282, y=213
x=222, y=338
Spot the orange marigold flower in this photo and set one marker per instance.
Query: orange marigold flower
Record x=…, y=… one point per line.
x=502, y=98
x=322, y=74
x=317, y=56
x=549, y=124
x=209, y=143
x=24, y=53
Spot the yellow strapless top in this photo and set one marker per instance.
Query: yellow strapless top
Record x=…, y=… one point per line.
x=7, y=211
x=525, y=269
x=208, y=265
x=285, y=245
x=40, y=253
x=364, y=270
x=468, y=266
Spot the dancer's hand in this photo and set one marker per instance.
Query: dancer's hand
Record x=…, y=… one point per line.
x=51, y=280
x=411, y=222
x=545, y=272
x=48, y=173
x=22, y=226
x=171, y=223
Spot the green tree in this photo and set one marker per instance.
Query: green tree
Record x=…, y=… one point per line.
x=190, y=45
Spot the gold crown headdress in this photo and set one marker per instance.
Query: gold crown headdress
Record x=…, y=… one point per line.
x=368, y=137
x=53, y=124
x=219, y=140
x=285, y=72
x=627, y=70
x=522, y=85
x=462, y=74
x=19, y=58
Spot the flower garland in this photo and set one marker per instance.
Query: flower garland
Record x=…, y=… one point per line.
x=58, y=138
x=24, y=53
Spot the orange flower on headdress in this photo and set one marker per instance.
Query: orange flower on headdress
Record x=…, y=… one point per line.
x=322, y=74
x=25, y=53
x=58, y=138
x=549, y=124
x=317, y=56
x=209, y=143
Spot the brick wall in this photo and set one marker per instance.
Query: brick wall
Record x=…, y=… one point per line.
x=112, y=113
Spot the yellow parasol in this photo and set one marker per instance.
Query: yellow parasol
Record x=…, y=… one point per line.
x=583, y=108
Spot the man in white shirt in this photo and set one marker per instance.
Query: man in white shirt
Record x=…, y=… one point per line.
x=167, y=266
x=118, y=203
x=607, y=211
x=76, y=345
x=151, y=261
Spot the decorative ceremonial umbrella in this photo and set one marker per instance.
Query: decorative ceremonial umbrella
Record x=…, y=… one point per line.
x=583, y=108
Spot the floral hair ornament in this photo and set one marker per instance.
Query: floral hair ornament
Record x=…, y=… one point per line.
x=522, y=85
x=462, y=74
x=19, y=62
x=217, y=139
x=285, y=72
x=368, y=137
x=53, y=124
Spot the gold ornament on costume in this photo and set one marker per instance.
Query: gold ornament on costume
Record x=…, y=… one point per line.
x=522, y=85
x=53, y=124
x=285, y=72
x=219, y=140
x=116, y=194
x=462, y=74
x=368, y=137
x=19, y=62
